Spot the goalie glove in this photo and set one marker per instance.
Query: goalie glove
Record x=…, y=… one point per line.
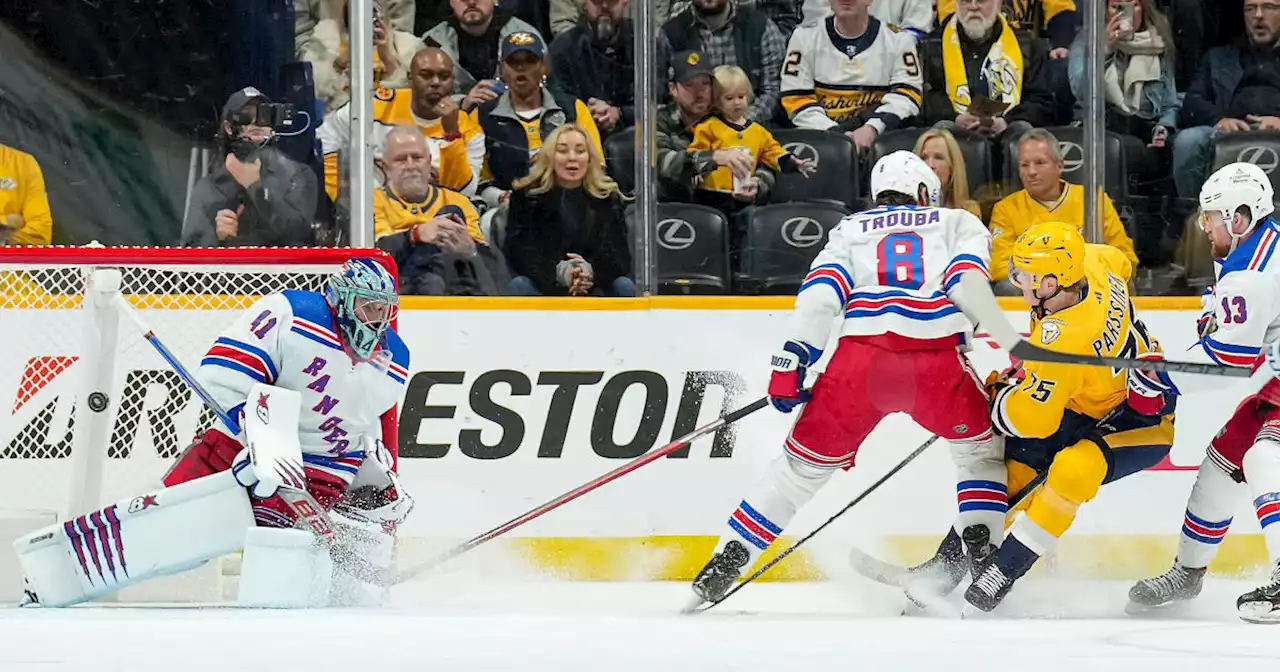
x=786, y=385
x=386, y=502
x=1147, y=388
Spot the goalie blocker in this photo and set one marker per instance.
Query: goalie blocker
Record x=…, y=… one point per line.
x=189, y=523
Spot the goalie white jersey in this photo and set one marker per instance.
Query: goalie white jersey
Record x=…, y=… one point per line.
x=1243, y=311
x=290, y=340
x=890, y=270
x=829, y=79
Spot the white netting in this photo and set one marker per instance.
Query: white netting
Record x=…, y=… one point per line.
x=153, y=415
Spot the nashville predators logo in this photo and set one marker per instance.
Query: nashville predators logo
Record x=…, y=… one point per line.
x=693, y=59
x=384, y=94
x=1050, y=330
x=521, y=39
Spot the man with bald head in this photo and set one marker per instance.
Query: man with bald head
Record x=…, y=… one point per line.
x=457, y=139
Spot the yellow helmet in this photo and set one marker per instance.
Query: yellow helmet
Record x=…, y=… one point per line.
x=1049, y=248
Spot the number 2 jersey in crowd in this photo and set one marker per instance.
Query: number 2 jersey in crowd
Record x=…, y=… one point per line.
x=890, y=269
x=290, y=340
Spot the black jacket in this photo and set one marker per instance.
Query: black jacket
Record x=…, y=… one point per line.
x=542, y=230
x=278, y=209
x=505, y=142
x=1038, y=103
x=426, y=270
x=584, y=70
x=1210, y=96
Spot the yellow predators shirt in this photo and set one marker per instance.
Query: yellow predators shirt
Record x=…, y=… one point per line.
x=1017, y=212
x=829, y=79
x=1102, y=324
x=22, y=193
x=456, y=162
x=717, y=133
x=393, y=215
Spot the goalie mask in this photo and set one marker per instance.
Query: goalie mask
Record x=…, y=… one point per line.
x=364, y=301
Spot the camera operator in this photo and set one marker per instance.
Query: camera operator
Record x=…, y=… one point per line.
x=256, y=195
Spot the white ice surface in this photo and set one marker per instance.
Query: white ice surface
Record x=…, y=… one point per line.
x=454, y=622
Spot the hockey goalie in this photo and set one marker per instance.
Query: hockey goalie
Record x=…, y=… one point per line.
x=306, y=384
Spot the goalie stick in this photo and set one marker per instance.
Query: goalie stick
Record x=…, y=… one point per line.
x=982, y=308
x=701, y=606
x=303, y=505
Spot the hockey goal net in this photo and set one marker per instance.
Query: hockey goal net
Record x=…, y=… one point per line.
x=91, y=412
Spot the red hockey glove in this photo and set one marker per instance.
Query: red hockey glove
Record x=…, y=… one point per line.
x=789, y=368
x=1146, y=389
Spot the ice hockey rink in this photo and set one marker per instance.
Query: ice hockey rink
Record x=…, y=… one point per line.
x=451, y=623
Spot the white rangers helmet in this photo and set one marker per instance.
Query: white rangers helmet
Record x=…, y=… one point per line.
x=905, y=173
x=1235, y=185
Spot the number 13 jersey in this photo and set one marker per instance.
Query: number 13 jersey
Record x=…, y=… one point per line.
x=890, y=268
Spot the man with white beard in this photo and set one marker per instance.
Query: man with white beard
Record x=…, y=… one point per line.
x=987, y=83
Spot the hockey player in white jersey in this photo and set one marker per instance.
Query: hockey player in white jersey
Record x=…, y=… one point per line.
x=894, y=273
x=1242, y=317
x=851, y=72
x=335, y=350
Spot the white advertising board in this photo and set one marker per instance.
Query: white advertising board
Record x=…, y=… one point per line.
x=506, y=409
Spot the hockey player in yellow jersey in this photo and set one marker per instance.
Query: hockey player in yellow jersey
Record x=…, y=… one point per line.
x=1080, y=424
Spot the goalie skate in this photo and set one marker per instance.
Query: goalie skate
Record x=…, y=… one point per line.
x=1178, y=585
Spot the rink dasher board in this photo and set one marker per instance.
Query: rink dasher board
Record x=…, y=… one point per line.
x=508, y=408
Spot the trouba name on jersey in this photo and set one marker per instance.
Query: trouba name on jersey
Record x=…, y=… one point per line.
x=900, y=218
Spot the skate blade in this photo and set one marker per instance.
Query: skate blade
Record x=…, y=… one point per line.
x=879, y=570
x=1167, y=609
x=1259, y=613
x=928, y=600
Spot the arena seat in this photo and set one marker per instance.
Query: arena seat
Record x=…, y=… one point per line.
x=782, y=241
x=620, y=159
x=837, y=171
x=692, y=248
x=1071, y=144
x=1261, y=148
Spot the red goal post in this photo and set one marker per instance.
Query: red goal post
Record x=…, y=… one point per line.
x=91, y=413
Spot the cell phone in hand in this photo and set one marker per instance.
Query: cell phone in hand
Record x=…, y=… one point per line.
x=986, y=108
x=1125, y=10
x=497, y=86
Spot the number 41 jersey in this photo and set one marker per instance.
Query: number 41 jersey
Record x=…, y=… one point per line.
x=890, y=268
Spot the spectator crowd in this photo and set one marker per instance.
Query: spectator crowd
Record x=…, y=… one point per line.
x=504, y=134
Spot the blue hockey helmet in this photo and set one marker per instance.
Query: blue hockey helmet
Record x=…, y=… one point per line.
x=364, y=301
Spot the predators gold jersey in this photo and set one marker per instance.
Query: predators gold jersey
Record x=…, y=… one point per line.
x=829, y=79
x=1102, y=324
x=716, y=132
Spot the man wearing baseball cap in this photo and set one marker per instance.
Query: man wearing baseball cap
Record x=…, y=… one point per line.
x=516, y=122
x=254, y=195
x=690, y=89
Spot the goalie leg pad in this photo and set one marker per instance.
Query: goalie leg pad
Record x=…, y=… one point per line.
x=369, y=541
x=1209, y=508
x=136, y=539
x=284, y=569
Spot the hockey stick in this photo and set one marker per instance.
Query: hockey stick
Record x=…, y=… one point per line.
x=794, y=547
x=581, y=490
x=990, y=316
x=898, y=576
x=303, y=505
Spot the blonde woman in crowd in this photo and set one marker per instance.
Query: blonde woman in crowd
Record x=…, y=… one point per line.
x=566, y=231
x=939, y=149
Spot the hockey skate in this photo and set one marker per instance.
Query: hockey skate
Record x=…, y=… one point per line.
x=957, y=556
x=1262, y=605
x=723, y=570
x=994, y=581
x=1177, y=585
